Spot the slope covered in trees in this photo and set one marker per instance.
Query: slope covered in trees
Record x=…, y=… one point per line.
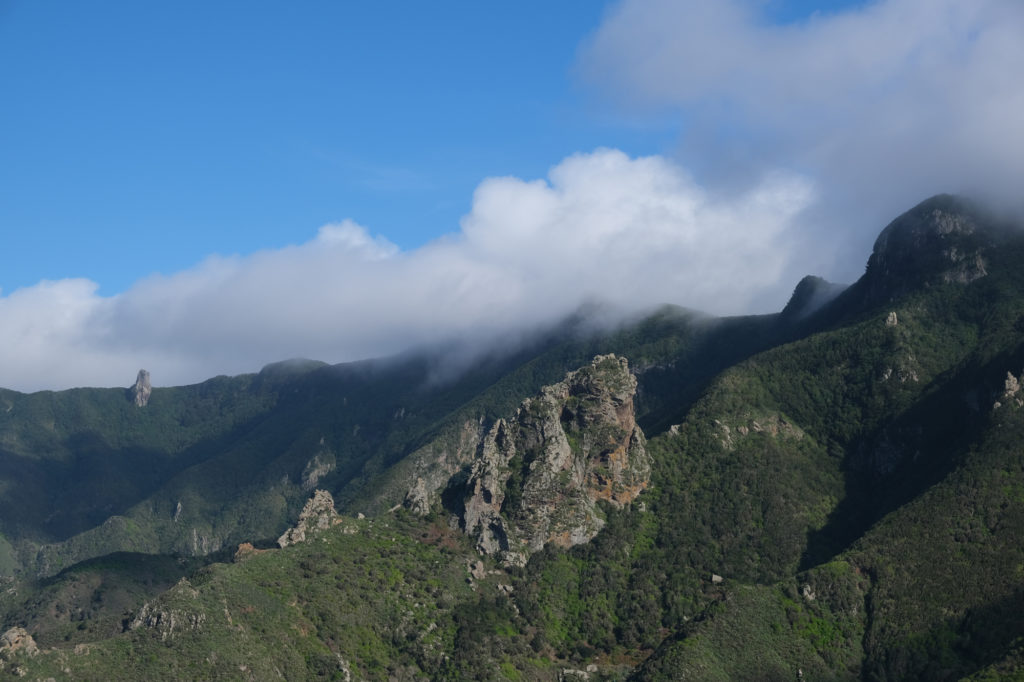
x=836, y=492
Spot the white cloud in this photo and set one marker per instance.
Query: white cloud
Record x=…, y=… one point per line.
x=633, y=232
x=883, y=104
x=350, y=236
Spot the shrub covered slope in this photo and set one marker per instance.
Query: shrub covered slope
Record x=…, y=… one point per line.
x=836, y=492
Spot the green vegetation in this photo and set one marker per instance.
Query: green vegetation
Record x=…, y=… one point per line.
x=833, y=495
x=378, y=598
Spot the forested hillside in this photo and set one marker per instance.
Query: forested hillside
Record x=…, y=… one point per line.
x=835, y=491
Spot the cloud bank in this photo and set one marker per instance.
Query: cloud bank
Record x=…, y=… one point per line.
x=883, y=104
x=630, y=231
x=800, y=142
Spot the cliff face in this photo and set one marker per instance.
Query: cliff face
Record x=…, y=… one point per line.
x=538, y=477
x=434, y=464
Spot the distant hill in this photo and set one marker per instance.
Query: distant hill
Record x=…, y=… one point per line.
x=835, y=491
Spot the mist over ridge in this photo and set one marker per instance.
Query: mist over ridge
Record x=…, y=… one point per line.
x=629, y=232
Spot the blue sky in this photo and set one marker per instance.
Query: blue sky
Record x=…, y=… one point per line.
x=142, y=137
x=201, y=188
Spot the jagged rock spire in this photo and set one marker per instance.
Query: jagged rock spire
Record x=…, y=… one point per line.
x=538, y=476
x=142, y=389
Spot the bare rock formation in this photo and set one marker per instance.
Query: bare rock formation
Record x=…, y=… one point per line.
x=418, y=499
x=538, y=477
x=488, y=476
x=318, y=514
x=246, y=550
x=142, y=389
x=1011, y=389
x=17, y=641
x=174, y=612
x=430, y=468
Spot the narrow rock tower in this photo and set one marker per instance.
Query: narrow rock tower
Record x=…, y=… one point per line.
x=142, y=388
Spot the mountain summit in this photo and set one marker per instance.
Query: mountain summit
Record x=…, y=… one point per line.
x=945, y=239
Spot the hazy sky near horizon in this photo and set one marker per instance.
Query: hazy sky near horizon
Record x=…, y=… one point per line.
x=202, y=188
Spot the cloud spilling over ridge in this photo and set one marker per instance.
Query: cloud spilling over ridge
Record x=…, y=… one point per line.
x=630, y=231
x=883, y=104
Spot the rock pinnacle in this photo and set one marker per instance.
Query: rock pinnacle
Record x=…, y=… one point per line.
x=142, y=388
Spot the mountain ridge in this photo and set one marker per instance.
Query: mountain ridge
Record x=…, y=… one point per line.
x=834, y=481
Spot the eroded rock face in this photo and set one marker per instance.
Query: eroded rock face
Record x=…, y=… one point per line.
x=417, y=499
x=488, y=476
x=142, y=389
x=538, y=477
x=437, y=462
x=319, y=513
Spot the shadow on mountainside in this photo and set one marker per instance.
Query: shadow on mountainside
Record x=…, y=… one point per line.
x=916, y=450
x=952, y=649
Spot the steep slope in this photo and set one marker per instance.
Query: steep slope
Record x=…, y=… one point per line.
x=673, y=353
x=361, y=599
x=430, y=588
x=927, y=519
x=837, y=487
x=539, y=476
x=203, y=467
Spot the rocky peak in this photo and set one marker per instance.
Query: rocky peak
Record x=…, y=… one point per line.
x=142, y=389
x=943, y=239
x=538, y=477
x=318, y=514
x=811, y=294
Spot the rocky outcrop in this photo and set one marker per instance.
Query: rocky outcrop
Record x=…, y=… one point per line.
x=142, y=389
x=538, y=477
x=417, y=499
x=488, y=477
x=769, y=424
x=246, y=550
x=318, y=514
x=433, y=465
x=1011, y=389
x=17, y=641
x=174, y=612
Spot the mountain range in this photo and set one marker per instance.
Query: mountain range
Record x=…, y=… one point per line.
x=831, y=492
